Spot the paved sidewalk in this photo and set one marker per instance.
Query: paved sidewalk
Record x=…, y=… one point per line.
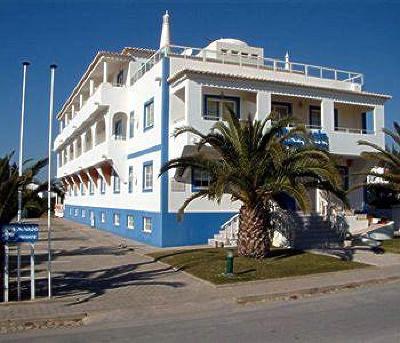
x=109, y=278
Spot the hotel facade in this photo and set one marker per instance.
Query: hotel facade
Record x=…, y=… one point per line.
x=115, y=130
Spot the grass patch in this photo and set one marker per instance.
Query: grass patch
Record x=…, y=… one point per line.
x=209, y=264
x=392, y=245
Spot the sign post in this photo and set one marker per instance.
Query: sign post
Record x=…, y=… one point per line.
x=6, y=272
x=32, y=271
x=18, y=233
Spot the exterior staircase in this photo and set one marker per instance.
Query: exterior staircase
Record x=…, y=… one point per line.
x=228, y=233
x=316, y=232
x=294, y=229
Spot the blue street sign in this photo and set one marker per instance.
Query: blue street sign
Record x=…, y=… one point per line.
x=20, y=233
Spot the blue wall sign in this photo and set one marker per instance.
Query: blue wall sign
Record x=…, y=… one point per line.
x=19, y=233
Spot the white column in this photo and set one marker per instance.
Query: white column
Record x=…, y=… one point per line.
x=91, y=87
x=263, y=106
x=80, y=101
x=379, y=123
x=93, y=130
x=83, y=140
x=193, y=103
x=131, y=70
x=75, y=144
x=61, y=126
x=328, y=115
x=105, y=71
x=108, y=126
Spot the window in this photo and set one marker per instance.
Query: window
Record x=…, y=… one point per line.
x=70, y=211
x=281, y=109
x=75, y=190
x=83, y=213
x=76, y=212
x=82, y=189
x=130, y=179
x=149, y=114
x=130, y=222
x=200, y=179
x=116, y=219
x=148, y=176
x=118, y=134
x=91, y=187
x=219, y=107
x=102, y=185
x=116, y=183
x=147, y=224
x=336, y=119
x=315, y=117
x=103, y=217
x=131, y=124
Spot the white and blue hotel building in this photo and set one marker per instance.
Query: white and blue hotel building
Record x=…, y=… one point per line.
x=116, y=126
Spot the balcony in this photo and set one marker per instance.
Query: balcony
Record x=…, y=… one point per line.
x=104, y=96
x=111, y=151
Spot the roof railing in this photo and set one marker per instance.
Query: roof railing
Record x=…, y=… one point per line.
x=248, y=60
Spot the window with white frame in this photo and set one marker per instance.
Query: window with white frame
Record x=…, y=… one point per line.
x=91, y=187
x=220, y=107
x=102, y=185
x=116, y=219
x=83, y=189
x=83, y=213
x=103, y=217
x=149, y=114
x=76, y=212
x=131, y=124
x=130, y=222
x=130, y=179
x=116, y=183
x=148, y=176
x=75, y=190
x=147, y=224
x=200, y=179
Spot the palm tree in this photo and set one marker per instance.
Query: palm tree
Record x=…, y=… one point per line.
x=388, y=159
x=251, y=162
x=10, y=181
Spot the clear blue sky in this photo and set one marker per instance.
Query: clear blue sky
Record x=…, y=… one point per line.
x=361, y=36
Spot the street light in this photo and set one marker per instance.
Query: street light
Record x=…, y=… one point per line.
x=230, y=252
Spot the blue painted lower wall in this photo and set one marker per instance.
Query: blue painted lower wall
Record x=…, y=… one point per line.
x=195, y=228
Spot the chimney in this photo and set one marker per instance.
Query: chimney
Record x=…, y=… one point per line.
x=165, y=36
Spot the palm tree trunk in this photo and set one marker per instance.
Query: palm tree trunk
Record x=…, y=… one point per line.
x=254, y=238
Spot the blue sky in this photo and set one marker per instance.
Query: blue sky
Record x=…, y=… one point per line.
x=351, y=35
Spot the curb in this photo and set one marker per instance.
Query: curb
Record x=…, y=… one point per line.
x=57, y=321
x=302, y=293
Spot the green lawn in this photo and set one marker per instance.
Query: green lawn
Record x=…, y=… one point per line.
x=392, y=245
x=209, y=264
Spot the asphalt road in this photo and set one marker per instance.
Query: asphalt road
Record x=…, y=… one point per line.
x=363, y=315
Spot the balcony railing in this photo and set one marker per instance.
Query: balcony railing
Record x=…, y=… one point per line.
x=355, y=131
x=308, y=70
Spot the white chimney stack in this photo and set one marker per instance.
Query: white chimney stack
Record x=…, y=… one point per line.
x=287, y=63
x=165, y=36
